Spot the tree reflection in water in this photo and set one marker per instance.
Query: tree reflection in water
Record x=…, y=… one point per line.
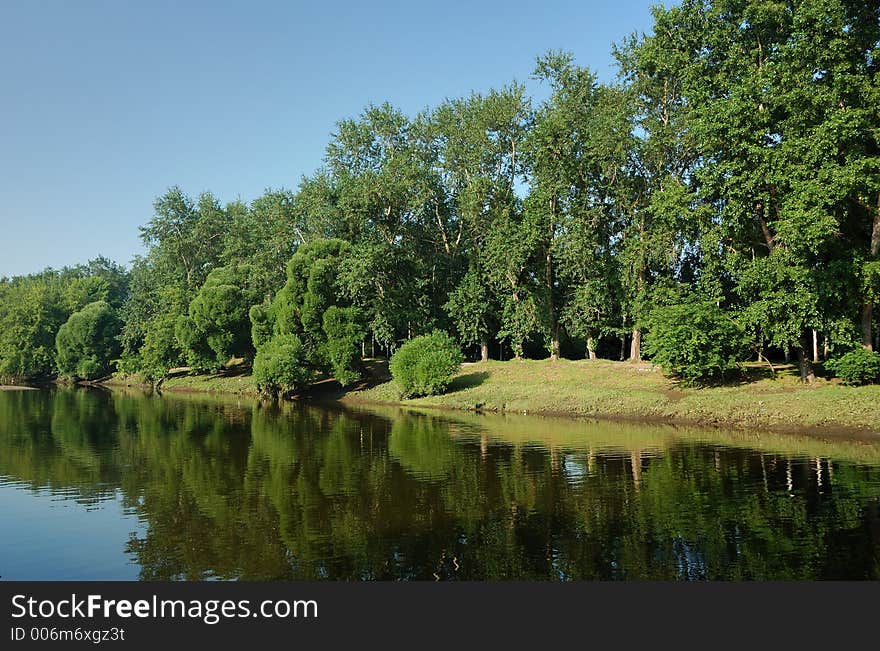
x=247, y=491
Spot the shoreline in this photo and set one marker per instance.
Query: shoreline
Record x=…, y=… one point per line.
x=604, y=390
x=831, y=430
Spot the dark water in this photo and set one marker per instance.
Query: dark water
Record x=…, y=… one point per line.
x=96, y=485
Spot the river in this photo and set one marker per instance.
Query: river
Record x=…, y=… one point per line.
x=118, y=485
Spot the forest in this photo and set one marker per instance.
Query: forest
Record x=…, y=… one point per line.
x=718, y=202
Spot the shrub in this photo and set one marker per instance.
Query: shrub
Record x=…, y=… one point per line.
x=694, y=341
x=261, y=324
x=859, y=366
x=279, y=365
x=426, y=365
x=87, y=342
x=344, y=334
x=217, y=326
x=160, y=350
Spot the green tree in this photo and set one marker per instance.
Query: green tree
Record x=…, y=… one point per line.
x=578, y=150
x=87, y=343
x=218, y=326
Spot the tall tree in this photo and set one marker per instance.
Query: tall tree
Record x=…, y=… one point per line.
x=578, y=151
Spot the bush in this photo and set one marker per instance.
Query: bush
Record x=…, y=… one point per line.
x=217, y=326
x=859, y=366
x=160, y=350
x=694, y=341
x=279, y=365
x=426, y=365
x=87, y=342
x=344, y=335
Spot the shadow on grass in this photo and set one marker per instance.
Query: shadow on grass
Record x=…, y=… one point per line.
x=374, y=372
x=468, y=381
x=750, y=373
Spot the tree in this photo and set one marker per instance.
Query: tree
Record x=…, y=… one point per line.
x=312, y=307
x=87, y=343
x=653, y=193
x=33, y=308
x=185, y=240
x=217, y=325
x=344, y=332
x=468, y=306
x=479, y=142
x=578, y=150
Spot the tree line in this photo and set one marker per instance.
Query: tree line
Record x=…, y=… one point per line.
x=720, y=198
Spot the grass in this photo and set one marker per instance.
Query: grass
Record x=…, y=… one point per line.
x=242, y=385
x=630, y=390
x=601, y=388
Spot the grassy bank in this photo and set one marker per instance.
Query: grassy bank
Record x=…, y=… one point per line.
x=623, y=389
x=240, y=385
x=601, y=388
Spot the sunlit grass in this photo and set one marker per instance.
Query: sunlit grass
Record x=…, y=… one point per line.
x=606, y=388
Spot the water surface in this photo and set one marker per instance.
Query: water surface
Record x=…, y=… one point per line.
x=100, y=485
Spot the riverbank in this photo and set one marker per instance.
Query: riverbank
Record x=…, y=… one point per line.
x=236, y=385
x=600, y=388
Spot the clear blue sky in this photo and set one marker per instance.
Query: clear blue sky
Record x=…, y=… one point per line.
x=104, y=105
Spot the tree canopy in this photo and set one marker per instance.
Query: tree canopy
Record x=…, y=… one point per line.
x=735, y=157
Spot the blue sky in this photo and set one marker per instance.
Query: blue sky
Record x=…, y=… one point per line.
x=104, y=105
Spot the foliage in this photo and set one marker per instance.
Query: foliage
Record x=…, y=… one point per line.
x=87, y=342
x=33, y=308
x=737, y=155
x=280, y=365
x=694, y=341
x=469, y=306
x=217, y=326
x=859, y=366
x=344, y=331
x=160, y=350
x=311, y=306
x=426, y=365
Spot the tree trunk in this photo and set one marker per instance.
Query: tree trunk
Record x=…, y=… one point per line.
x=815, y=346
x=484, y=349
x=591, y=348
x=554, y=343
x=635, y=349
x=867, y=321
x=806, y=366
x=868, y=305
x=622, y=347
x=554, y=324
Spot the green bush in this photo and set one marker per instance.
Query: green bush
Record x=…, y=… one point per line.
x=344, y=335
x=217, y=326
x=87, y=342
x=279, y=366
x=694, y=341
x=859, y=366
x=261, y=324
x=160, y=350
x=426, y=365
